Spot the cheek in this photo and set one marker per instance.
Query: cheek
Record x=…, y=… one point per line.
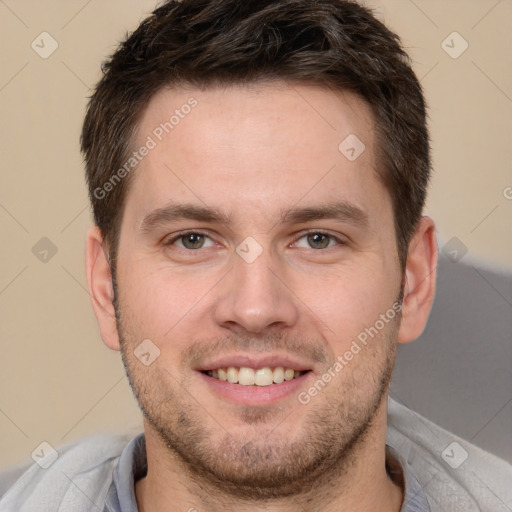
x=351, y=301
x=156, y=301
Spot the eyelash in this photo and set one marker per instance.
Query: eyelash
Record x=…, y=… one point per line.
x=183, y=234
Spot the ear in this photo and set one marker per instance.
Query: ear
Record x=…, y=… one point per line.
x=99, y=280
x=420, y=281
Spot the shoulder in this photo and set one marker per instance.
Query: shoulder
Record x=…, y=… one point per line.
x=454, y=474
x=69, y=478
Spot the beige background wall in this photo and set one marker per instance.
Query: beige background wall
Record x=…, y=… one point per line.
x=57, y=380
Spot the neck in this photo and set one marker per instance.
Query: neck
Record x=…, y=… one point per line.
x=359, y=482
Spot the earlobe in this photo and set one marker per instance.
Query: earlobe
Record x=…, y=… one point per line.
x=420, y=281
x=99, y=280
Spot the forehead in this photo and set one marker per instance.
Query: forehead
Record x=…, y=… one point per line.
x=257, y=146
x=228, y=116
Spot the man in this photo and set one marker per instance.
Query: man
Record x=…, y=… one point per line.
x=257, y=172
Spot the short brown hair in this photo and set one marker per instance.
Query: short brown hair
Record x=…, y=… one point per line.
x=337, y=44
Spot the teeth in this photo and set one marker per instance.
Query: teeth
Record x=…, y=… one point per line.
x=246, y=376
x=279, y=375
x=260, y=377
x=289, y=374
x=232, y=374
x=263, y=376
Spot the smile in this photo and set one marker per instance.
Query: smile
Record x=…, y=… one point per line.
x=246, y=376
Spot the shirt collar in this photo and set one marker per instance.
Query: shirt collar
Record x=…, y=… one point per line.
x=131, y=467
x=402, y=474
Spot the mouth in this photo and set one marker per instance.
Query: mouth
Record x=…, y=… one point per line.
x=255, y=380
x=247, y=376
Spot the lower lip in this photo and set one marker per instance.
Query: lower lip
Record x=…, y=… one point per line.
x=255, y=395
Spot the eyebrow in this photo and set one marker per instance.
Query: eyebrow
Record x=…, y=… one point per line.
x=174, y=212
x=340, y=210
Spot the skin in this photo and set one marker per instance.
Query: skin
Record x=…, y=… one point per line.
x=254, y=153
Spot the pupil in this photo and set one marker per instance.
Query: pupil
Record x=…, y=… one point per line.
x=193, y=240
x=319, y=240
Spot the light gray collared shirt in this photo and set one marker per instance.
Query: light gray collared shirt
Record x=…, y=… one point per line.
x=440, y=472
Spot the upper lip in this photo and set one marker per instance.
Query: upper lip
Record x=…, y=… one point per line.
x=253, y=361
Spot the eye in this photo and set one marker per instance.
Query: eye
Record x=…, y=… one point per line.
x=190, y=240
x=317, y=240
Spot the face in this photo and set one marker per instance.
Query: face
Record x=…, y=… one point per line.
x=251, y=242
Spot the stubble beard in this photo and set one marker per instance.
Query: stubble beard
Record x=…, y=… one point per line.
x=265, y=465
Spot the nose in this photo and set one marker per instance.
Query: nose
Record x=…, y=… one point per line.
x=256, y=297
